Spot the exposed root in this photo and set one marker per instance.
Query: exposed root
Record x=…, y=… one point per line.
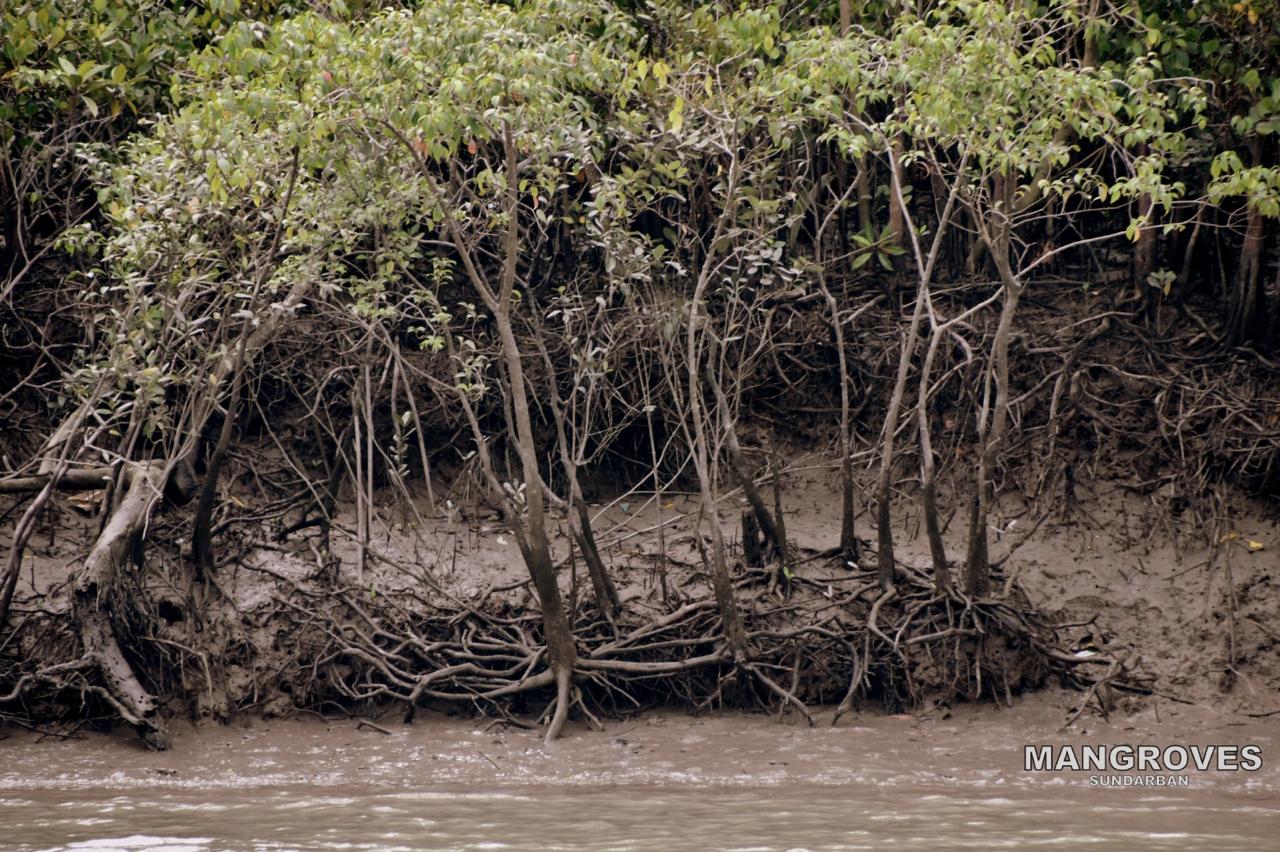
x=93, y=593
x=1099, y=692
x=860, y=647
x=787, y=697
x=564, y=680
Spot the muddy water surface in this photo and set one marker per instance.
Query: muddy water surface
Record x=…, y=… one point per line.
x=658, y=782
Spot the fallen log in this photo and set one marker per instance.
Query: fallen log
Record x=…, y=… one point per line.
x=86, y=479
x=178, y=488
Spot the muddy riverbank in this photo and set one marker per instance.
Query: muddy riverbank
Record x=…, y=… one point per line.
x=270, y=635
x=658, y=780
x=942, y=775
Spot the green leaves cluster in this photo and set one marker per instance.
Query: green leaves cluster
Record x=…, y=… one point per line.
x=352, y=154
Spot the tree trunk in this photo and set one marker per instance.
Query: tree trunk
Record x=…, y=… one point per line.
x=884, y=531
x=21, y=534
x=94, y=584
x=561, y=648
x=752, y=551
x=1144, y=253
x=848, y=533
x=928, y=489
x=742, y=472
x=532, y=534
x=976, y=558
x=897, y=214
x=606, y=593
x=925, y=266
x=1188, y=257
x=83, y=479
x=201, y=527
x=978, y=570
x=1243, y=299
x=779, y=518
x=862, y=175
x=1272, y=341
x=721, y=585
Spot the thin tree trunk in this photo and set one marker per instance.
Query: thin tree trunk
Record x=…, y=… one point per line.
x=848, y=534
x=887, y=568
x=606, y=594
x=366, y=408
x=752, y=549
x=1144, y=252
x=357, y=479
x=978, y=570
x=82, y=479
x=1188, y=256
x=975, y=576
x=722, y=586
x=897, y=208
x=21, y=534
x=561, y=648
x=657, y=493
x=201, y=527
x=862, y=175
x=779, y=518
x=1243, y=299
x=928, y=488
x=741, y=470
x=334, y=464
x=1273, y=333
x=532, y=534
x=418, y=431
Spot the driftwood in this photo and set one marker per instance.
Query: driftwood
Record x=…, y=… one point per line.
x=178, y=488
x=87, y=479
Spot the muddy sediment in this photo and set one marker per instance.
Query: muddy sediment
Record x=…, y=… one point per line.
x=954, y=778
x=272, y=635
x=282, y=737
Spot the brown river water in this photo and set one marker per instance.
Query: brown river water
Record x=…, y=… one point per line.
x=660, y=781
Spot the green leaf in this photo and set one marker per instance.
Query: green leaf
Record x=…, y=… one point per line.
x=675, y=118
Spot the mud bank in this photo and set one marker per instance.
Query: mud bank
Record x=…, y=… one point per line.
x=658, y=780
x=274, y=635
x=973, y=747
